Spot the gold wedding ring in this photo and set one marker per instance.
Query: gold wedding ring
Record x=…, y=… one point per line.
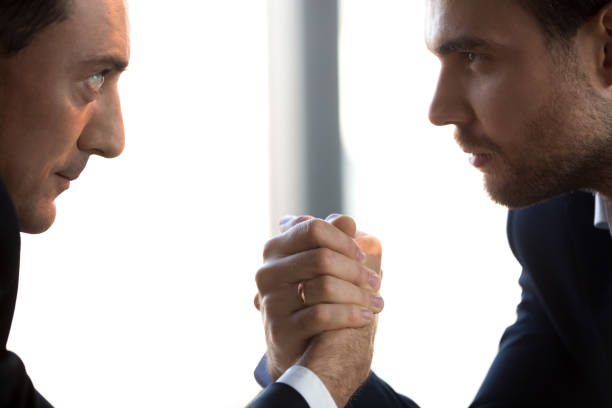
x=300, y=293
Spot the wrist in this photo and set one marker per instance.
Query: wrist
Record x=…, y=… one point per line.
x=274, y=369
x=341, y=359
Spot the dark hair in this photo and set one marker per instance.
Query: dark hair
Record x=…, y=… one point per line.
x=561, y=19
x=22, y=20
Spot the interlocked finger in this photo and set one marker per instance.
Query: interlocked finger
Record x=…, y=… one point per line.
x=311, y=264
x=316, y=319
x=323, y=290
x=328, y=289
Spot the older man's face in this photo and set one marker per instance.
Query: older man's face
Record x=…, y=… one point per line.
x=534, y=119
x=59, y=104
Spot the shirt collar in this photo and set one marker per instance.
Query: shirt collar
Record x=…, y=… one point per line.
x=603, y=212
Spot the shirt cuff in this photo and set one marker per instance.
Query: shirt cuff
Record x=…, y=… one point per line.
x=309, y=386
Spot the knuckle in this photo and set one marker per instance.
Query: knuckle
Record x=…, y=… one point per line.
x=268, y=248
x=260, y=277
x=354, y=316
x=362, y=276
x=326, y=288
x=313, y=229
x=324, y=260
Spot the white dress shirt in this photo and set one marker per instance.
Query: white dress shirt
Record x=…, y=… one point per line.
x=312, y=388
x=309, y=386
x=603, y=212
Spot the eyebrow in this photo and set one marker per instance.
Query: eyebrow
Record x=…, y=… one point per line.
x=118, y=64
x=462, y=43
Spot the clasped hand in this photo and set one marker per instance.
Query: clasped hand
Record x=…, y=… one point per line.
x=318, y=295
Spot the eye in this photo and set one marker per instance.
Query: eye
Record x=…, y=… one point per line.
x=470, y=57
x=96, y=80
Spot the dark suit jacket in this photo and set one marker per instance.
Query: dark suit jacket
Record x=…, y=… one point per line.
x=558, y=353
x=16, y=389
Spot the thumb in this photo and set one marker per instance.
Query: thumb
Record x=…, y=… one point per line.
x=344, y=223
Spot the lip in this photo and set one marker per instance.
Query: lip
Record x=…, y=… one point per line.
x=69, y=177
x=479, y=160
x=64, y=181
x=69, y=173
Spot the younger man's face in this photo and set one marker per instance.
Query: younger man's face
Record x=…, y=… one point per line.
x=59, y=104
x=533, y=117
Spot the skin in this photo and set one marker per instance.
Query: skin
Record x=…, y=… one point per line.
x=340, y=269
x=512, y=96
x=53, y=112
x=339, y=285
x=533, y=111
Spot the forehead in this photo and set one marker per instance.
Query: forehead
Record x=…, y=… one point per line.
x=96, y=27
x=500, y=22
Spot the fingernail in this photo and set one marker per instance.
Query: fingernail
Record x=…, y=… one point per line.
x=367, y=314
x=377, y=301
x=361, y=256
x=373, y=280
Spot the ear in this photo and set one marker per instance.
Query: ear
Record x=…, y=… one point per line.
x=606, y=24
x=595, y=46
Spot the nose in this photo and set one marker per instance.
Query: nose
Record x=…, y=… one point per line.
x=104, y=134
x=450, y=104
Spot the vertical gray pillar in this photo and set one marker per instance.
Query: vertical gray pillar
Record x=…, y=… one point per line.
x=305, y=154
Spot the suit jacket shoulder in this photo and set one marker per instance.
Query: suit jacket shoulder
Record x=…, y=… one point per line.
x=16, y=389
x=557, y=353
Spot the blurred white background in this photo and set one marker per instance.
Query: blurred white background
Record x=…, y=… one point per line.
x=141, y=293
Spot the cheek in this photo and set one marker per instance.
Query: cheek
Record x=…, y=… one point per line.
x=50, y=122
x=504, y=105
x=36, y=138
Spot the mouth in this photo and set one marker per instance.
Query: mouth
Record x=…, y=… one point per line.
x=479, y=149
x=69, y=177
x=73, y=172
x=478, y=159
x=66, y=176
x=63, y=182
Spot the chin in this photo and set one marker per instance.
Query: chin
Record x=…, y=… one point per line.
x=517, y=193
x=36, y=220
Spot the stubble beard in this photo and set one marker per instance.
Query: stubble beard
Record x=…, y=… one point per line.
x=568, y=147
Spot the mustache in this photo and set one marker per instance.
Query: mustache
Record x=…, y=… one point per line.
x=473, y=143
